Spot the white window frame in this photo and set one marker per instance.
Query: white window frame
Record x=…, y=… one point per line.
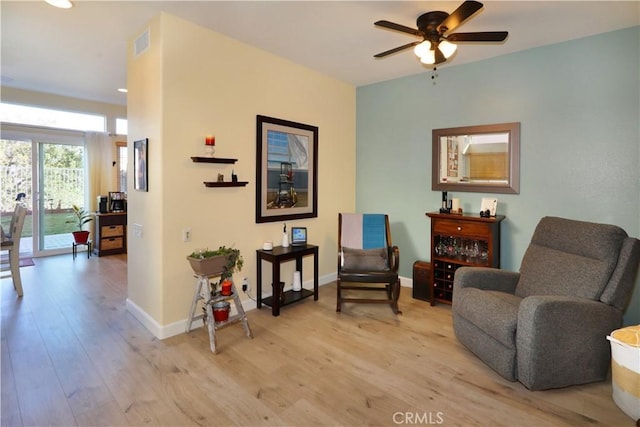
x=51, y=118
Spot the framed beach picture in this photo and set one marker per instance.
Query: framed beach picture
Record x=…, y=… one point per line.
x=286, y=170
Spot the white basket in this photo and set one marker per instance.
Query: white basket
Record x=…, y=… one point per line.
x=625, y=371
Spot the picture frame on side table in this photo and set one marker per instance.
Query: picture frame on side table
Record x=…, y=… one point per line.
x=489, y=204
x=286, y=170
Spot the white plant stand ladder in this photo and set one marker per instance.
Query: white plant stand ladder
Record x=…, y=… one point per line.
x=203, y=293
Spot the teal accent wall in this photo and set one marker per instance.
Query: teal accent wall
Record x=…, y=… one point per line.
x=578, y=103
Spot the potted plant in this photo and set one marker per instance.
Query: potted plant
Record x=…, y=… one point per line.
x=81, y=218
x=223, y=261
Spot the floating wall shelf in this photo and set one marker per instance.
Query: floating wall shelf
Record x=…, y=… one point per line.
x=226, y=184
x=212, y=160
x=197, y=159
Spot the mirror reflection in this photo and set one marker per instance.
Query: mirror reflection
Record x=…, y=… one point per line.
x=477, y=158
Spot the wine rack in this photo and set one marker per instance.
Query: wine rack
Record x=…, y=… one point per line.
x=458, y=241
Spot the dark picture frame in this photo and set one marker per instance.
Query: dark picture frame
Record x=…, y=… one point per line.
x=286, y=170
x=141, y=165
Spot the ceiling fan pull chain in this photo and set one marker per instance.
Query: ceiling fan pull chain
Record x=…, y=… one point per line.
x=434, y=75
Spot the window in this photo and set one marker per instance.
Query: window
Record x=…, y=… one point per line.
x=36, y=116
x=121, y=157
x=122, y=126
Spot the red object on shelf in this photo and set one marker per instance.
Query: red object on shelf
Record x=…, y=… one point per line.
x=226, y=287
x=221, y=311
x=210, y=140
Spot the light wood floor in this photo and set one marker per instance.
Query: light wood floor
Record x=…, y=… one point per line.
x=72, y=355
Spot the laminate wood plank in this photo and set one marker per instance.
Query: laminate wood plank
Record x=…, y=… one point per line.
x=106, y=415
x=376, y=376
x=9, y=409
x=180, y=375
x=305, y=410
x=83, y=387
x=41, y=398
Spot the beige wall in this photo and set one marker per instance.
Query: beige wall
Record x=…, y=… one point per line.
x=193, y=82
x=146, y=268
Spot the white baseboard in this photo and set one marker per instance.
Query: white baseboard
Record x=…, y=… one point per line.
x=142, y=317
x=406, y=282
x=179, y=327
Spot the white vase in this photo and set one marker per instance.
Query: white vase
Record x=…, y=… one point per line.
x=297, y=281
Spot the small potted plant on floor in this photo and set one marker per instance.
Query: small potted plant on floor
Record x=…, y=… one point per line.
x=81, y=218
x=222, y=261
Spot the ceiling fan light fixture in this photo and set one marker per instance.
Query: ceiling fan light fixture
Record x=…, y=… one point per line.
x=62, y=4
x=447, y=48
x=432, y=27
x=429, y=58
x=422, y=49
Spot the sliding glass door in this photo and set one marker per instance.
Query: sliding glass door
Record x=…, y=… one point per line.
x=49, y=168
x=60, y=186
x=16, y=173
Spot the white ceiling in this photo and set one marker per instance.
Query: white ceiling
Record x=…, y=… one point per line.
x=81, y=52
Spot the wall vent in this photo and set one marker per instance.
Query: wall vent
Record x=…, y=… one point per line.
x=141, y=44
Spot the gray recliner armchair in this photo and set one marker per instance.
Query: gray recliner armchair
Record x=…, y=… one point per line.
x=546, y=326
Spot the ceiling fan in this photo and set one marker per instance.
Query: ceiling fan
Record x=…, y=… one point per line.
x=437, y=45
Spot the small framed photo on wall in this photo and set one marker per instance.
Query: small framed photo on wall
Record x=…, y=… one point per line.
x=140, y=166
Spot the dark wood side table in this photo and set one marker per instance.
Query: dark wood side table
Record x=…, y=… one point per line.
x=111, y=233
x=276, y=256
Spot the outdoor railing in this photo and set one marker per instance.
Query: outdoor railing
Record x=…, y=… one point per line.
x=64, y=187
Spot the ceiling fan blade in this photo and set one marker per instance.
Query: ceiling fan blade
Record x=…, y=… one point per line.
x=393, y=26
x=487, y=36
x=397, y=49
x=461, y=14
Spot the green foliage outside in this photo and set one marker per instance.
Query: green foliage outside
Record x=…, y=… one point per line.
x=54, y=223
x=64, y=184
x=64, y=174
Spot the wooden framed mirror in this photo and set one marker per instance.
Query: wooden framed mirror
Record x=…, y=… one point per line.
x=483, y=158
